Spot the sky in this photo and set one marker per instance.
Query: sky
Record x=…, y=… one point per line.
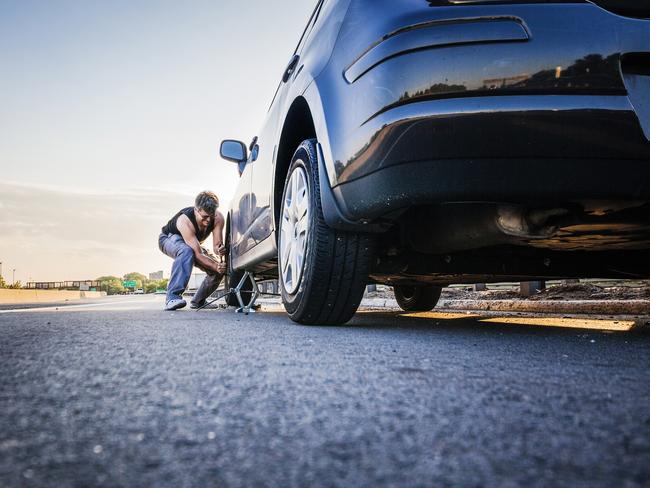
x=111, y=116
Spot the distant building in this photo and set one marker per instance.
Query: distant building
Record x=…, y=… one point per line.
x=157, y=276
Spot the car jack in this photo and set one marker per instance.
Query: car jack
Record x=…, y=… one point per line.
x=244, y=308
x=255, y=292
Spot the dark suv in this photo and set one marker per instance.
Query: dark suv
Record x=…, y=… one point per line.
x=422, y=143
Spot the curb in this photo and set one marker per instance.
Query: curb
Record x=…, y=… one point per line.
x=586, y=307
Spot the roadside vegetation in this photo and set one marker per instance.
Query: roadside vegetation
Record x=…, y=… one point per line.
x=113, y=285
x=15, y=286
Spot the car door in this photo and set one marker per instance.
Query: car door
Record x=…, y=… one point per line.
x=241, y=212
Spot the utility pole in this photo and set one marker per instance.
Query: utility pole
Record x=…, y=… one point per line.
x=13, y=278
x=0, y=270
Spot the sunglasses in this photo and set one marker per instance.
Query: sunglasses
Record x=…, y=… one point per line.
x=203, y=215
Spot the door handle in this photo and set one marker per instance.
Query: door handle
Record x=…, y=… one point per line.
x=291, y=67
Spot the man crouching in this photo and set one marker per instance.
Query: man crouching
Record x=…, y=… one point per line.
x=181, y=240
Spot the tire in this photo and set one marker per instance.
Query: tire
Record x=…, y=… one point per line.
x=326, y=284
x=417, y=298
x=232, y=279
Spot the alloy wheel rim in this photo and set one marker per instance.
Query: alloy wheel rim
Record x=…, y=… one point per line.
x=294, y=230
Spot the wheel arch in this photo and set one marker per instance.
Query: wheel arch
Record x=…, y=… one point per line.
x=298, y=126
x=228, y=239
x=226, y=230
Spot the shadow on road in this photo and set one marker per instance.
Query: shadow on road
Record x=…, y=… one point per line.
x=490, y=324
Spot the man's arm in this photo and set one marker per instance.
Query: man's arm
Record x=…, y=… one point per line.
x=217, y=234
x=189, y=236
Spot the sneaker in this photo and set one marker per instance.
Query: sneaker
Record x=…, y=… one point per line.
x=175, y=304
x=194, y=305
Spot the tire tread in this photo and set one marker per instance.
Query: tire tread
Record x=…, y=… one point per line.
x=341, y=265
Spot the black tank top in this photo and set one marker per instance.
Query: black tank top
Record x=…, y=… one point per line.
x=170, y=227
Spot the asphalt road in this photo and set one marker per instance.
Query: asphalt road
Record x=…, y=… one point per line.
x=119, y=393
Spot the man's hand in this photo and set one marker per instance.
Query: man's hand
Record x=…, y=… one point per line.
x=217, y=266
x=217, y=262
x=221, y=250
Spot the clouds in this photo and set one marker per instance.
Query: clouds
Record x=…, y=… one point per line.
x=51, y=233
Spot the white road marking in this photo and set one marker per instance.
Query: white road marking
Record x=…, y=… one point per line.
x=116, y=303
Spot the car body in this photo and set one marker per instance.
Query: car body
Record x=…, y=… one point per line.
x=475, y=141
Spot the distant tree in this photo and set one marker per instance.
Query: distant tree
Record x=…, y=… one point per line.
x=16, y=286
x=2, y=282
x=111, y=284
x=154, y=285
x=108, y=278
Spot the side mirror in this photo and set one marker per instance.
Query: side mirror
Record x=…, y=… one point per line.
x=234, y=151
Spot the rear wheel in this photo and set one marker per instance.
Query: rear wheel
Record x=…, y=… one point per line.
x=323, y=272
x=417, y=298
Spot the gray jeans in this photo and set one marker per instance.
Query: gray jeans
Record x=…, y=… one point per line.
x=175, y=247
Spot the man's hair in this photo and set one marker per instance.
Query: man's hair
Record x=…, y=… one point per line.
x=208, y=201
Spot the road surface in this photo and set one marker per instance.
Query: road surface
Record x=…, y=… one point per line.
x=119, y=393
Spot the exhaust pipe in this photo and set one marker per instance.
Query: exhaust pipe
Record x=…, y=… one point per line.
x=528, y=224
x=461, y=227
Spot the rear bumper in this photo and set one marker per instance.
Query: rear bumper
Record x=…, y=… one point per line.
x=520, y=149
x=525, y=182
x=484, y=81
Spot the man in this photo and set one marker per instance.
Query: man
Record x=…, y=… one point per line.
x=181, y=240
